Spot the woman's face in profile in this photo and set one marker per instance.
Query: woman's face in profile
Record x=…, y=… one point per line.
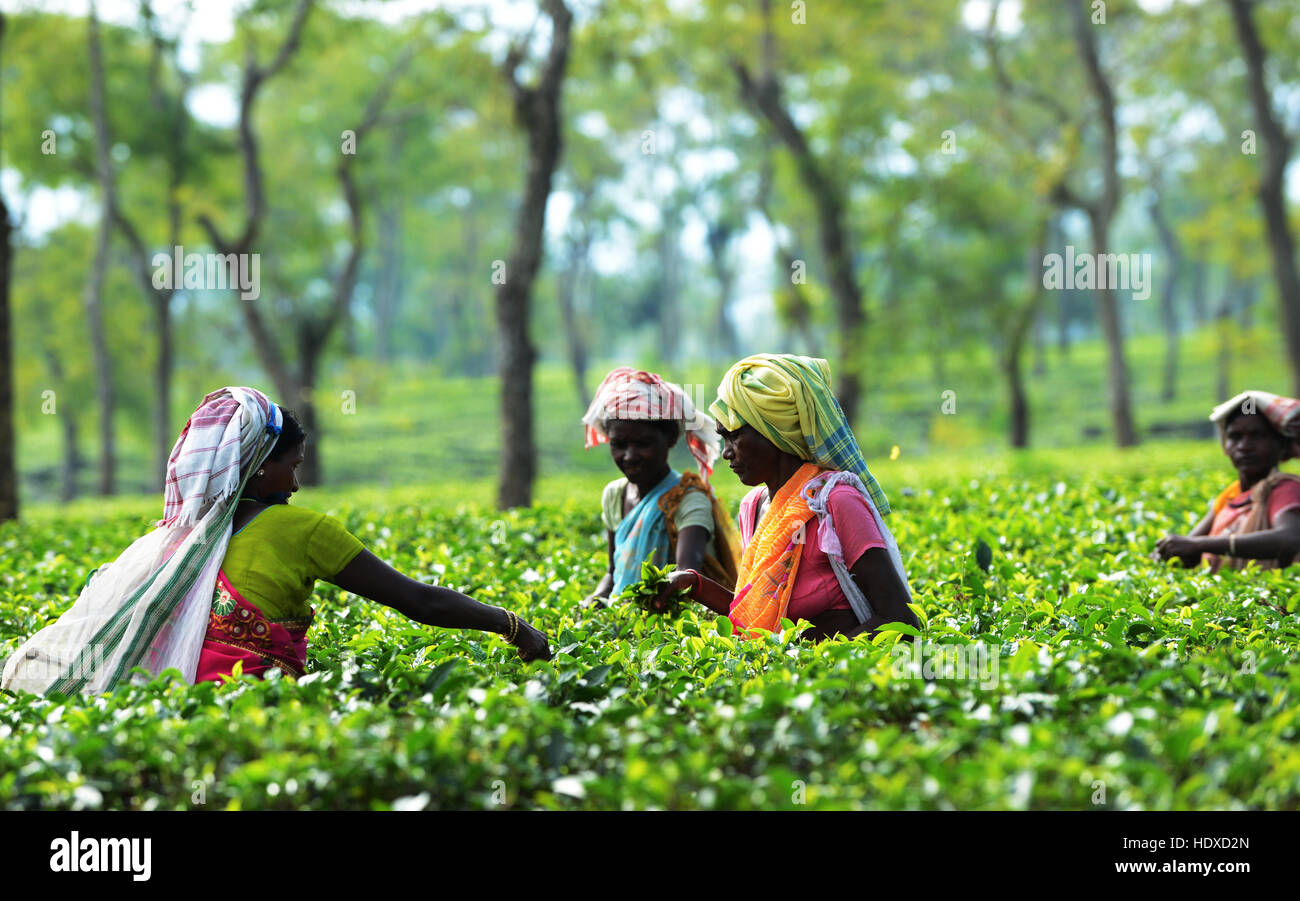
x=751, y=456
x=280, y=477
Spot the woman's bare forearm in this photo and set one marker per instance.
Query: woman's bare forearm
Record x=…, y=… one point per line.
x=712, y=595
x=369, y=577
x=448, y=609
x=1272, y=544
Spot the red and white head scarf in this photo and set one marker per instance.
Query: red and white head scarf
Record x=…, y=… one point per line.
x=222, y=440
x=628, y=393
x=1282, y=413
x=149, y=607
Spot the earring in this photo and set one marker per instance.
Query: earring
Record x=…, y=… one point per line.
x=261, y=472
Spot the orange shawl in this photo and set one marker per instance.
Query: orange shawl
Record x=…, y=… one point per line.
x=771, y=560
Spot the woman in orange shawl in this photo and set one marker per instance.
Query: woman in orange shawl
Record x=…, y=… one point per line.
x=816, y=546
x=1256, y=519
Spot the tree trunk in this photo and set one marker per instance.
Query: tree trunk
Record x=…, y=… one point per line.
x=1022, y=322
x=1249, y=291
x=71, y=458
x=165, y=432
x=1117, y=379
x=1276, y=147
x=792, y=304
x=312, y=470
x=1017, y=405
x=764, y=96
x=719, y=240
x=1168, y=294
x=1199, y=279
x=1040, y=346
x=94, y=297
x=1100, y=214
x=8, y=469
x=68, y=426
x=797, y=306
x=255, y=76
x=312, y=332
x=537, y=111
x=567, y=279
x=160, y=298
x=851, y=316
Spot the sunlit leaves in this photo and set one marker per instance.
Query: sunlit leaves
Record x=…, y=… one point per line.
x=1085, y=661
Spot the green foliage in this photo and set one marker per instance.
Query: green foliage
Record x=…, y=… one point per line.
x=644, y=592
x=1172, y=689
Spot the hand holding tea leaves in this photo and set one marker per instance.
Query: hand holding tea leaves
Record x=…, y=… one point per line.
x=660, y=590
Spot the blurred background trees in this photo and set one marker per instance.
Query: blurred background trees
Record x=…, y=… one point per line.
x=445, y=273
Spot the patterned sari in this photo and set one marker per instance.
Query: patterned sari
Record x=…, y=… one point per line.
x=150, y=606
x=771, y=560
x=239, y=632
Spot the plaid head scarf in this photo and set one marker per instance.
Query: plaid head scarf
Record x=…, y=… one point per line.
x=788, y=399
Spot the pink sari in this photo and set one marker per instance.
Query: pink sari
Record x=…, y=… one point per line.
x=238, y=631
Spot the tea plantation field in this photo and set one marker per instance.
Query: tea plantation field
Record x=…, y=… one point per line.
x=1113, y=681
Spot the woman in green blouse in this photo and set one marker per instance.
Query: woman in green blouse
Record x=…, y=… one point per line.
x=277, y=553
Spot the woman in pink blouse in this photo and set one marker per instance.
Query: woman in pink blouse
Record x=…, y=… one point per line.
x=816, y=546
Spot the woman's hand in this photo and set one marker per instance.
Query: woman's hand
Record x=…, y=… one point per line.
x=678, y=580
x=1184, y=547
x=532, y=643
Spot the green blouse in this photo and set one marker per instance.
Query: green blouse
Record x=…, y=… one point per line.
x=696, y=509
x=276, y=558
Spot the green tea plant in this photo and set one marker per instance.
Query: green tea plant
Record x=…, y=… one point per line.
x=1061, y=668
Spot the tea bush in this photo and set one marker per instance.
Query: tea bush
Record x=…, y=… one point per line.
x=1105, y=680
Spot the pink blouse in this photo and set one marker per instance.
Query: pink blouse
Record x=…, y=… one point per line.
x=816, y=590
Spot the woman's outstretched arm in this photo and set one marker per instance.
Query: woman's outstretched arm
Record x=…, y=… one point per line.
x=1282, y=542
x=701, y=588
x=433, y=605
